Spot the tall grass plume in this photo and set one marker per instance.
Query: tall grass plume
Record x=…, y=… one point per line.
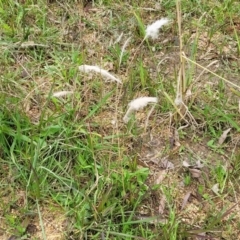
x=137, y=104
x=96, y=69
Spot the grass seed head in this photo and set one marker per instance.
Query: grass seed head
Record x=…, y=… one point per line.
x=138, y=104
x=96, y=69
x=62, y=93
x=153, y=29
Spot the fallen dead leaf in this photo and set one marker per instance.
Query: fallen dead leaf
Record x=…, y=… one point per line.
x=223, y=136
x=215, y=188
x=166, y=164
x=185, y=199
x=160, y=176
x=186, y=164
x=196, y=173
x=162, y=204
x=197, y=165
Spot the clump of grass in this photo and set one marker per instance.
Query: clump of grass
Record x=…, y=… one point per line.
x=70, y=148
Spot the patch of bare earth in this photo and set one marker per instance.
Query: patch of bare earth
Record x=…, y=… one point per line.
x=191, y=207
x=15, y=216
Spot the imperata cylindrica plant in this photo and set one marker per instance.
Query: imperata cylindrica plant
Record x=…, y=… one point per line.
x=96, y=69
x=62, y=93
x=138, y=104
x=152, y=30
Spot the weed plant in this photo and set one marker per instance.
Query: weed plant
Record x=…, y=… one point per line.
x=71, y=150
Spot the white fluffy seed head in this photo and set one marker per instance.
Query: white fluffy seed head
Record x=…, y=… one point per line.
x=153, y=29
x=96, y=69
x=62, y=93
x=141, y=102
x=138, y=104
